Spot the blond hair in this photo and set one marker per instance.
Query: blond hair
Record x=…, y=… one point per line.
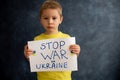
x=51, y=4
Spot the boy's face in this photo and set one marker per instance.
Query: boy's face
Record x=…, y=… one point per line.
x=50, y=19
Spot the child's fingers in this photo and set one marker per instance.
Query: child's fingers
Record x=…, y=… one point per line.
x=74, y=46
x=75, y=49
x=25, y=47
x=27, y=52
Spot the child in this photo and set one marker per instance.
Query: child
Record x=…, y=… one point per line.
x=50, y=18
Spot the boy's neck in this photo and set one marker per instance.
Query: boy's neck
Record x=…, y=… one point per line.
x=49, y=33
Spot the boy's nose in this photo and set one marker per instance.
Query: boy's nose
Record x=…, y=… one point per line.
x=50, y=21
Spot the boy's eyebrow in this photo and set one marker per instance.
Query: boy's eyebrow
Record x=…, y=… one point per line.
x=47, y=16
x=43, y=16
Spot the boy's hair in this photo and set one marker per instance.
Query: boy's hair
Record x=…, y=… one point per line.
x=51, y=4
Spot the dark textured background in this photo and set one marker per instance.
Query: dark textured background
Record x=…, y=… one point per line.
x=94, y=23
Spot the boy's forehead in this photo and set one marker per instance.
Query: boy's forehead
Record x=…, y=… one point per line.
x=51, y=9
x=50, y=12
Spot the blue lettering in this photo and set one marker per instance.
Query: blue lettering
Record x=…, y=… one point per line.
x=65, y=64
x=62, y=43
x=43, y=65
x=63, y=53
x=51, y=65
x=55, y=54
x=60, y=55
x=55, y=45
x=47, y=65
x=42, y=46
x=46, y=56
x=49, y=44
x=38, y=66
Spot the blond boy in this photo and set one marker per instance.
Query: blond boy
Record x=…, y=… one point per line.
x=50, y=18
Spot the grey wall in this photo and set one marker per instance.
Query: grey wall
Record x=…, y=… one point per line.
x=94, y=23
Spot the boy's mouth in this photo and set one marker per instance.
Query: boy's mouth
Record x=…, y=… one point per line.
x=49, y=27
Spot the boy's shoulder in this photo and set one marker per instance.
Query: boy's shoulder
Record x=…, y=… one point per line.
x=44, y=36
x=38, y=36
x=65, y=34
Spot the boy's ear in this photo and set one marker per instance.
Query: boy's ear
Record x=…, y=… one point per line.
x=61, y=19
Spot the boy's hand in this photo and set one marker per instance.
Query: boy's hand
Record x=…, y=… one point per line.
x=75, y=49
x=27, y=52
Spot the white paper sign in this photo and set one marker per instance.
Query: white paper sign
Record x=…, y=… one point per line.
x=52, y=55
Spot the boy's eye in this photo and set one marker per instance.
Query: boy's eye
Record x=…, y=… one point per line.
x=45, y=18
x=54, y=18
